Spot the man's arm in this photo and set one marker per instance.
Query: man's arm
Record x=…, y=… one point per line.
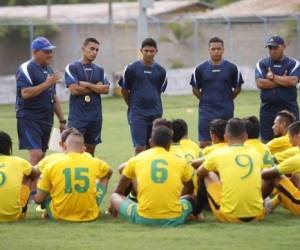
x=286, y=81
x=236, y=91
x=40, y=196
x=270, y=173
x=197, y=93
x=31, y=92
x=202, y=172
x=59, y=113
x=126, y=95
x=265, y=83
x=79, y=90
x=98, y=88
x=188, y=188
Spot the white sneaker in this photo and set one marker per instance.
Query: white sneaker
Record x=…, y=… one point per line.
x=268, y=205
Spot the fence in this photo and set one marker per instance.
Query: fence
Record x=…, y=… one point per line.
x=182, y=42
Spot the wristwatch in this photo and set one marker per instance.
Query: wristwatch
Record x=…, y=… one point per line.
x=63, y=122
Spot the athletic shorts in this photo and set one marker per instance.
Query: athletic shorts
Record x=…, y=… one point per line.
x=141, y=129
x=128, y=209
x=91, y=130
x=214, y=198
x=33, y=135
x=289, y=196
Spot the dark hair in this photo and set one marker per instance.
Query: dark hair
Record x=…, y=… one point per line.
x=180, y=129
x=162, y=122
x=294, y=128
x=161, y=136
x=217, y=127
x=5, y=144
x=252, y=127
x=90, y=40
x=149, y=42
x=65, y=134
x=216, y=40
x=235, y=128
x=287, y=116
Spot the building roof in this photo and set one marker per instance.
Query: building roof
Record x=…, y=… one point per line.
x=95, y=12
x=246, y=8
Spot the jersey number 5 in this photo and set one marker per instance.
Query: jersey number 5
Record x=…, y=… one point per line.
x=2, y=176
x=80, y=175
x=159, y=172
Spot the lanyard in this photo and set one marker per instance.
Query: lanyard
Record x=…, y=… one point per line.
x=87, y=78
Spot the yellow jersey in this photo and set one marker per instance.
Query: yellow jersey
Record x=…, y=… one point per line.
x=290, y=166
x=279, y=144
x=71, y=184
x=49, y=159
x=263, y=150
x=209, y=149
x=12, y=171
x=239, y=168
x=282, y=156
x=189, y=144
x=159, y=176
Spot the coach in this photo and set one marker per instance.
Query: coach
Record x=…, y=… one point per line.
x=36, y=100
x=216, y=82
x=276, y=76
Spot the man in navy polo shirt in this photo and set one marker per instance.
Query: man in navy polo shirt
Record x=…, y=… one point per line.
x=216, y=82
x=86, y=82
x=36, y=100
x=142, y=84
x=276, y=76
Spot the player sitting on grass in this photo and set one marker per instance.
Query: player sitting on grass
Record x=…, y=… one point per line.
x=160, y=176
x=252, y=127
x=68, y=187
x=288, y=188
x=235, y=195
x=293, y=134
x=217, y=131
x=16, y=175
x=281, y=142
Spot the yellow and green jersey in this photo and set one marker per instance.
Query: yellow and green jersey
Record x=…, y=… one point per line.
x=209, y=149
x=279, y=144
x=71, y=184
x=239, y=168
x=12, y=171
x=263, y=150
x=290, y=166
x=159, y=175
x=284, y=155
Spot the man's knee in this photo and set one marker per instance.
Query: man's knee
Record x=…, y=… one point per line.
x=139, y=149
x=35, y=155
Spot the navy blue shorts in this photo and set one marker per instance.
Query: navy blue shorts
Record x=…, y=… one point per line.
x=267, y=116
x=33, y=134
x=141, y=130
x=203, y=125
x=91, y=130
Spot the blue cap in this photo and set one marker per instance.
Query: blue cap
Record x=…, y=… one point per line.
x=42, y=43
x=275, y=41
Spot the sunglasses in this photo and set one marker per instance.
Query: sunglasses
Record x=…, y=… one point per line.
x=48, y=51
x=273, y=47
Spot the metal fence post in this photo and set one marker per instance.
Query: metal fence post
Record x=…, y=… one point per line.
x=229, y=34
x=298, y=34
x=31, y=34
x=196, y=41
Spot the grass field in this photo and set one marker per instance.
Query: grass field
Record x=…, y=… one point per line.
x=278, y=231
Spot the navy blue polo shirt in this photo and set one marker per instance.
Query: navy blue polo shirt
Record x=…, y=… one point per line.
x=216, y=83
x=279, y=95
x=39, y=108
x=145, y=83
x=78, y=108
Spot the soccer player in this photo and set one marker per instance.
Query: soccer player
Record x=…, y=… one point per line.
x=280, y=128
x=160, y=176
x=234, y=194
x=16, y=175
x=68, y=188
x=142, y=84
x=86, y=82
x=252, y=128
x=288, y=188
x=53, y=157
x=217, y=131
x=216, y=82
x=36, y=100
x=276, y=76
x=294, y=138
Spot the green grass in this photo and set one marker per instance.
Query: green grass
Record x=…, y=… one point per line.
x=278, y=231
